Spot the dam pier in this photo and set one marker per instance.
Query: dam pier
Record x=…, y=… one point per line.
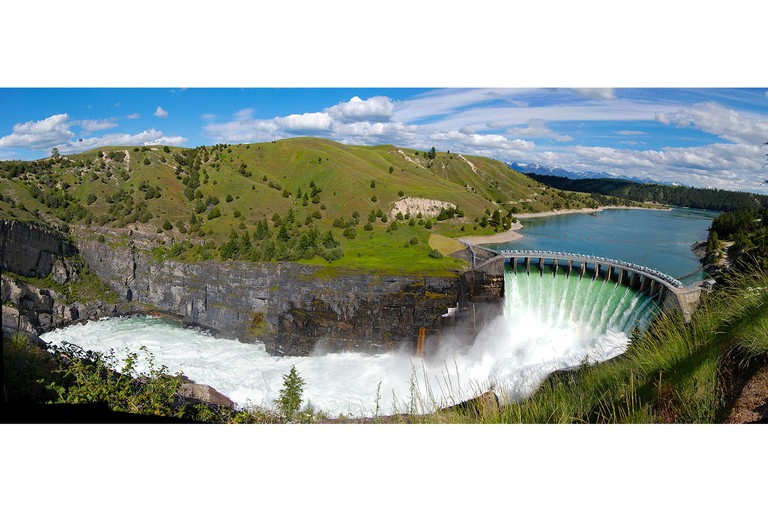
x=486, y=279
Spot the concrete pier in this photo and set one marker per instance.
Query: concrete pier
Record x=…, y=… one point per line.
x=668, y=291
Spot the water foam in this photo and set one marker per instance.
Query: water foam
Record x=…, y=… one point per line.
x=539, y=332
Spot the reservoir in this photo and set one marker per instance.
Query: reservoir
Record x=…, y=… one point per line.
x=659, y=239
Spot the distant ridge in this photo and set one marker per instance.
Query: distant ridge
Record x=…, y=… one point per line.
x=543, y=170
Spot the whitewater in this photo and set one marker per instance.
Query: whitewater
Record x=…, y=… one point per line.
x=548, y=324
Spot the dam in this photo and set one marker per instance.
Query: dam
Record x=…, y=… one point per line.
x=487, y=275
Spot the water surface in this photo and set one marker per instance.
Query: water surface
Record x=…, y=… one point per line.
x=659, y=239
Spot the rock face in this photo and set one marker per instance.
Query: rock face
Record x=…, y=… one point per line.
x=30, y=250
x=290, y=307
x=285, y=305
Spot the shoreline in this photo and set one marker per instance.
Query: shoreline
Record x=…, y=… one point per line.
x=511, y=235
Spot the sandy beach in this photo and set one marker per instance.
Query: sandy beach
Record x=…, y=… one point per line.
x=512, y=234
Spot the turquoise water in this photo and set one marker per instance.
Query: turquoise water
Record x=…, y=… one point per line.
x=659, y=239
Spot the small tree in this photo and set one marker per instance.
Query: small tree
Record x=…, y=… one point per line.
x=289, y=399
x=55, y=153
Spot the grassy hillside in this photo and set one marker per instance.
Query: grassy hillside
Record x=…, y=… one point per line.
x=204, y=198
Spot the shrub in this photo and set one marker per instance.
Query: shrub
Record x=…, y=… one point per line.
x=434, y=253
x=350, y=233
x=214, y=213
x=167, y=225
x=374, y=198
x=413, y=241
x=289, y=399
x=146, y=161
x=400, y=193
x=229, y=198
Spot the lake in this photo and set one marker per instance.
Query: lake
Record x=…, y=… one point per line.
x=660, y=239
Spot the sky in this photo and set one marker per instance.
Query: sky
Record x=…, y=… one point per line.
x=703, y=137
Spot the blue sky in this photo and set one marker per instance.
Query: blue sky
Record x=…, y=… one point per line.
x=700, y=137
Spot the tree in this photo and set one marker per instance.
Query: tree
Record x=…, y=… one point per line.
x=432, y=153
x=55, y=153
x=289, y=399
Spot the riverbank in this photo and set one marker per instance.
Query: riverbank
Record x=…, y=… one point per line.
x=512, y=234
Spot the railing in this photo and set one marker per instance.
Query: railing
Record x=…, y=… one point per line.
x=507, y=253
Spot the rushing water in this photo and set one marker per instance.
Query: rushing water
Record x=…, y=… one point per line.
x=659, y=239
x=548, y=324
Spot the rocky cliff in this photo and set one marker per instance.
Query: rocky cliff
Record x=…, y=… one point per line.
x=40, y=270
x=291, y=307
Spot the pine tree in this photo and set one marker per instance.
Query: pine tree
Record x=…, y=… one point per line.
x=289, y=399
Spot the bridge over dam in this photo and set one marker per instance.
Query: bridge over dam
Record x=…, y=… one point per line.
x=485, y=281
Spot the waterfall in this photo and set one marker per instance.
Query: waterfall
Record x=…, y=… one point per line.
x=592, y=307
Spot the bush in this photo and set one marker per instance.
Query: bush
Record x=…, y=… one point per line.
x=434, y=253
x=214, y=213
x=374, y=198
x=413, y=241
x=229, y=198
x=146, y=161
x=167, y=225
x=350, y=233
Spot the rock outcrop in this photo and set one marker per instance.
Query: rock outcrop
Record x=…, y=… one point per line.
x=292, y=308
x=31, y=250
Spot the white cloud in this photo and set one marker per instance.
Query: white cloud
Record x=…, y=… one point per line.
x=377, y=108
x=160, y=112
x=491, y=145
x=133, y=116
x=95, y=125
x=244, y=128
x=537, y=128
x=726, y=166
x=46, y=133
x=314, y=121
x=728, y=124
x=147, y=138
x=629, y=132
x=596, y=93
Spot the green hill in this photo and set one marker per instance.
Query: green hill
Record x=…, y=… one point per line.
x=256, y=201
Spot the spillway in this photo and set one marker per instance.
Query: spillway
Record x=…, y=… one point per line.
x=548, y=323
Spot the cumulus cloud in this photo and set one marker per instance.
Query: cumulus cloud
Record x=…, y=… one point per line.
x=313, y=122
x=160, y=112
x=244, y=128
x=728, y=124
x=149, y=137
x=47, y=133
x=537, y=128
x=377, y=108
x=596, y=93
x=133, y=116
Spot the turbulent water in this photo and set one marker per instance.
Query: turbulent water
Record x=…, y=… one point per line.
x=549, y=323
